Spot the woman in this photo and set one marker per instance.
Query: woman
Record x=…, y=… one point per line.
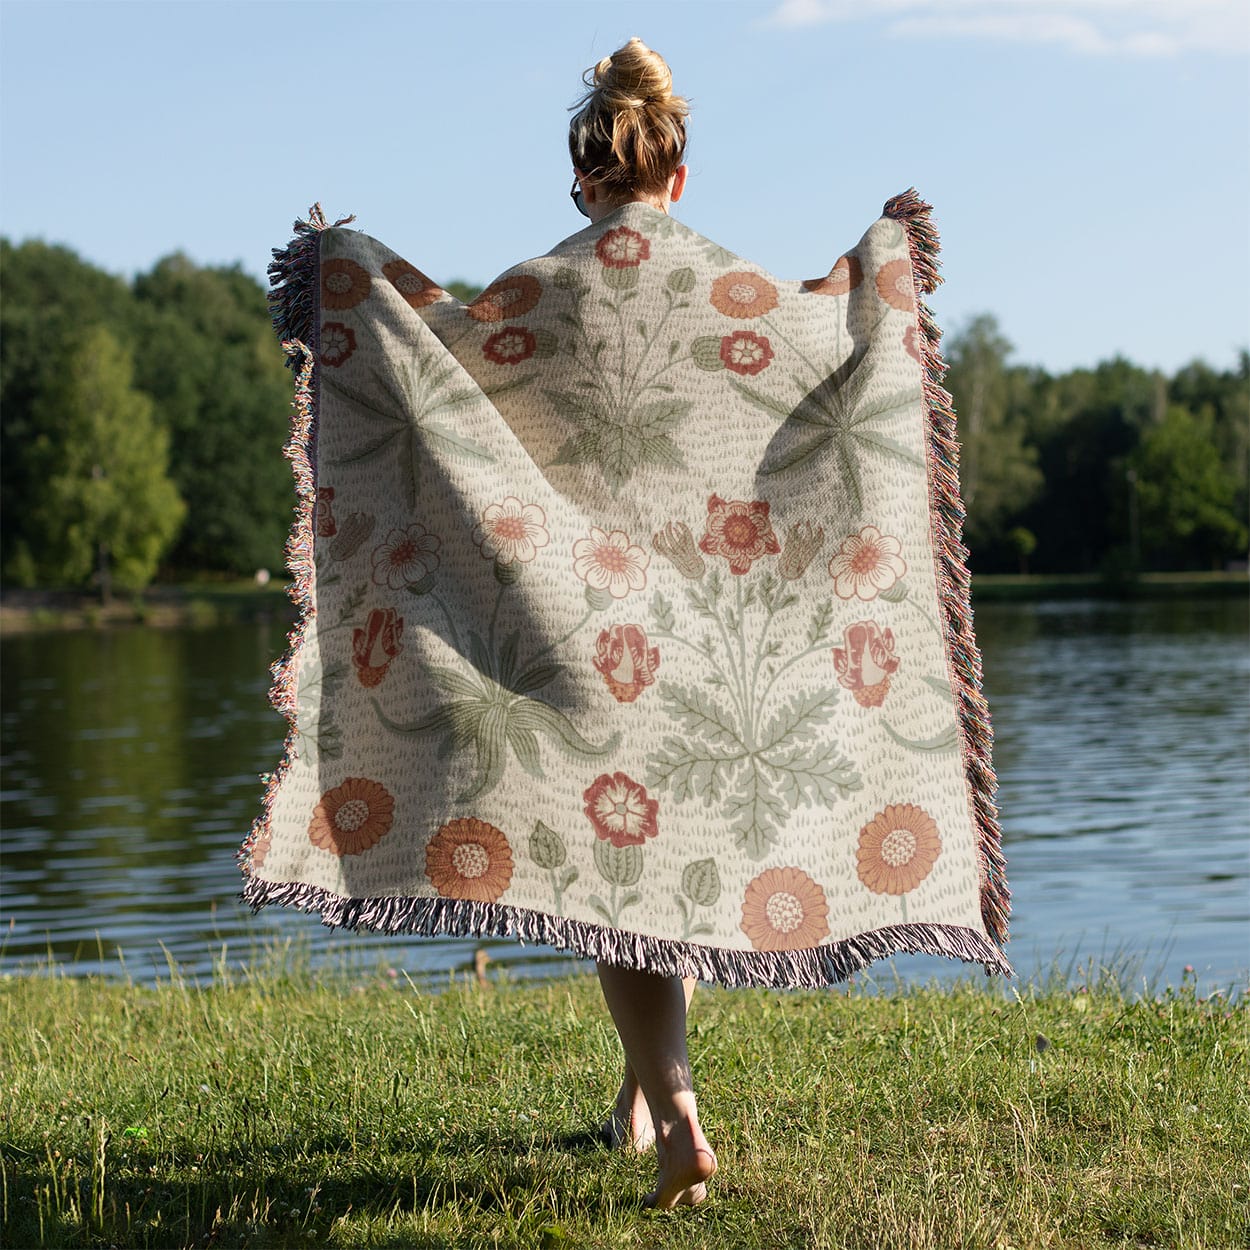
x=636, y=618
x=628, y=141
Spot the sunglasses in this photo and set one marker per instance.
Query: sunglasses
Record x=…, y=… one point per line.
x=576, y=196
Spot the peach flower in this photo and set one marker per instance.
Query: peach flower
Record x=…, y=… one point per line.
x=783, y=909
x=847, y=273
x=894, y=285
x=506, y=298
x=343, y=284
x=743, y=295
x=352, y=817
x=469, y=859
x=412, y=284
x=897, y=849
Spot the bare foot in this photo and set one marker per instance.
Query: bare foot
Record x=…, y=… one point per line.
x=686, y=1164
x=629, y=1126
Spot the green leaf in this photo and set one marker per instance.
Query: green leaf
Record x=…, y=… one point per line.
x=547, y=847
x=662, y=450
x=598, y=905
x=620, y=279
x=456, y=445
x=939, y=744
x=660, y=417
x=896, y=593
x=818, y=629
x=689, y=770
x=514, y=384
x=798, y=717
x=767, y=403
x=805, y=449
x=681, y=280
x=454, y=683
x=940, y=684
x=700, y=714
x=816, y=776
x=531, y=714
x=893, y=449
x=534, y=678
x=491, y=752
x=572, y=407
x=700, y=882
x=754, y=813
x=618, y=865
x=524, y=744
x=662, y=611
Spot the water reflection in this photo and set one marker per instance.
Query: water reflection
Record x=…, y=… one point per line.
x=131, y=762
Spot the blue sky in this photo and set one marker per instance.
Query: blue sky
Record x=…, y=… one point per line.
x=1087, y=159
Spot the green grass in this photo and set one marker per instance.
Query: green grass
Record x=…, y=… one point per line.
x=287, y=1109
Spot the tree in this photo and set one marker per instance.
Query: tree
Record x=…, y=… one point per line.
x=997, y=467
x=208, y=358
x=105, y=503
x=1186, y=495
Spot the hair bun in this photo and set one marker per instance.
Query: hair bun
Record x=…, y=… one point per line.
x=634, y=76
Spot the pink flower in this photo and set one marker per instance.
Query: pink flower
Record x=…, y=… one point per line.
x=739, y=531
x=894, y=285
x=866, y=564
x=622, y=248
x=511, y=530
x=337, y=343
x=745, y=353
x=866, y=661
x=626, y=662
x=405, y=557
x=510, y=346
x=610, y=562
x=912, y=344
x=375, y=646
x=620, y=810
x=323, y=513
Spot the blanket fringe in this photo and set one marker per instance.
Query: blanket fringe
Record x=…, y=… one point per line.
x=954, y=581
x=294, y=279
x=800, y=969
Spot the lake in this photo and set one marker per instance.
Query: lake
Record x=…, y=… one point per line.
x=131, y=760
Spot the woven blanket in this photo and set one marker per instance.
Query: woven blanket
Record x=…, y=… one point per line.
x=635, y=618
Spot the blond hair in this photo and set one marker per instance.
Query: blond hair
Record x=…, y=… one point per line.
x=629, y=133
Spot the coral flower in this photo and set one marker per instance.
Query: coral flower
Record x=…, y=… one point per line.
x=897, y=849
x=610, y=562
x=510, y=346
x=506, y=298
x=376, y=645
x=338, y=342
x=911, y=342
x=323, y=513
x=352, y=817
x=405, y=557
x=620, y=810
x=866, y=564
x=865, y=662
x=626, y=662
x=511, y=530
x=783, y=909
x=739, y=531
x=412, y=284
x=894, y=285
x=469, y=859
x=743, y=295
x=343, y=284
x=847, y=273
x=745, y=353
x=622, y=248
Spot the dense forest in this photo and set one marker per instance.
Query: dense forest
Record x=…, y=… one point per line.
x=142, y=423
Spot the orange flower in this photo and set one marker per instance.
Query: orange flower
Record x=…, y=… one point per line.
x=897, y=848
x=343, y=284
x=743, y=295
x=412, y=284
x=784, y=910
x=469, y=859
x=894, y=285
x=847, y=273
x=506, y=298
x=352, y=817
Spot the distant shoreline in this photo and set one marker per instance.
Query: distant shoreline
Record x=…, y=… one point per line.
x=201, y=605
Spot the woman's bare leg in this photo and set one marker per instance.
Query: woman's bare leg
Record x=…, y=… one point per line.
x=629, y=1125
x=650, y=1015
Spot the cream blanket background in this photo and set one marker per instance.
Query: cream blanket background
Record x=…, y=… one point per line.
x=635, y=619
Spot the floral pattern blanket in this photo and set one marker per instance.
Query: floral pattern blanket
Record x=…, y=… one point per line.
x=635, y=617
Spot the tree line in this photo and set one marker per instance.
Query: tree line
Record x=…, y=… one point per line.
x=142, y=423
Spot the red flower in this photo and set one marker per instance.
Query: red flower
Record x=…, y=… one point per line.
x=866, y=661
x=894, y=285
x=620, y=811
x=622, y=248
x=739, y=531
x=337, y=343
x=510, y=346
x=847, y=273
x=506, y=298
x=375, y=646
x=627, y=664
x=323, y=513
x=412, y=284
x=746, y=353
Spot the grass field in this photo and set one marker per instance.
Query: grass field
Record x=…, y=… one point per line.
x=287, y=1109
